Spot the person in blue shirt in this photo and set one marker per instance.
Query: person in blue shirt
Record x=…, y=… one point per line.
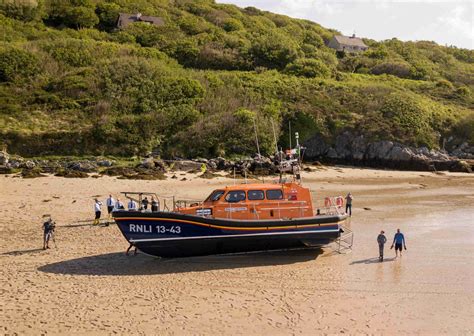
x=399, y=242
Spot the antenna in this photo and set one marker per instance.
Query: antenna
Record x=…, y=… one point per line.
x=289, y=131
x=275, y=137
x=256, y=138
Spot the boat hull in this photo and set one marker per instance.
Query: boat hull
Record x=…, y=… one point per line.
x=171, y=235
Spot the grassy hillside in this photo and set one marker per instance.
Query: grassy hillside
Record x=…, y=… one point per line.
x=71, y=83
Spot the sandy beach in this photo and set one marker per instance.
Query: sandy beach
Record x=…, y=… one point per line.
x=87, y=284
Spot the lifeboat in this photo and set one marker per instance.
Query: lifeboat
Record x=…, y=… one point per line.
x=233, y=219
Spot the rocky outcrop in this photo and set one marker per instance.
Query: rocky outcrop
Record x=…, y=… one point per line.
x=357, y=150
x=463, y=151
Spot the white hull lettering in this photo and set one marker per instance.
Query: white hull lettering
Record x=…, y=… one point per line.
x=141, y=228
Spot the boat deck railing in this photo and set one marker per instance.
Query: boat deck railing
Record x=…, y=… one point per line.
x=280, y=208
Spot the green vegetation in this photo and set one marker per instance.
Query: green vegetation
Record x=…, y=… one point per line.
x=71, y=83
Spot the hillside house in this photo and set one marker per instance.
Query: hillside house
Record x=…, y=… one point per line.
x=125, y=19
x=350, y=44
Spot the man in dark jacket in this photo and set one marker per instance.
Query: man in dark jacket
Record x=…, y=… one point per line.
x=381, y=239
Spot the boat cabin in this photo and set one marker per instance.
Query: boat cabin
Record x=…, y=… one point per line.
x=255, y=202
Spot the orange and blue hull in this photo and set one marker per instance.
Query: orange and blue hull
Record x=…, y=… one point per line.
x=168, y=234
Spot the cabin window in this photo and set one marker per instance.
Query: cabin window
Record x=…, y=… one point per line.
x=215, y=196
x=275, y=194
x=256, y=195
x=235, y=196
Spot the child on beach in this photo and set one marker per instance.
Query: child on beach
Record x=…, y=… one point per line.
x=381, y=240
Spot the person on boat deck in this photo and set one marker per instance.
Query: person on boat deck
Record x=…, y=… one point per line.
x=349, y=199
x=97, y=210
x=48, y=232
x=132, y=205
x=381, y=240
x=398, y=241
x=110, y=205
x=154, y=205
x=145, y=203
x=118, y=205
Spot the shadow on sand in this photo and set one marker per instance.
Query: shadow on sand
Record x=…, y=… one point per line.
x=371, y=261
x=120, y=264
x=21, y=252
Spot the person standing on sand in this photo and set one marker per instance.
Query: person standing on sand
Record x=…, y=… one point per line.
x=349, y=199
x=381, y=239
x=110, y=205
x=97, y=210
x=48, y=233
x=398, y=241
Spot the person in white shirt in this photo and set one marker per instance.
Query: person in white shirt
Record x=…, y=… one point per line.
x=132, y=205
x=97, y=209
x=110, y=205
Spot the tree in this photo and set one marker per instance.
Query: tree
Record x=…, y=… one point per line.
x=82, y=17
x=108, y=13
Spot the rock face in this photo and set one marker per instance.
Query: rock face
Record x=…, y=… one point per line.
x=351, y=149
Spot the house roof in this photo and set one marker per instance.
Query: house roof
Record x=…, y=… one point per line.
x=125, y=19
x=350, y=41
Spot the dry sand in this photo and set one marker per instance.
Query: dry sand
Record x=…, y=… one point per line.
x=88, y=285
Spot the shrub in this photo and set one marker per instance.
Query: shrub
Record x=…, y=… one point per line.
x=17, y=63
x=25, y=10
x=273, y=51
x=464, y=128
x=308, y=68
x=230, y=25
x=410, y=120
x=399, y=69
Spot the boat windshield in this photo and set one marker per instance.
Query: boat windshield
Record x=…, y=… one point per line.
x=215, y=196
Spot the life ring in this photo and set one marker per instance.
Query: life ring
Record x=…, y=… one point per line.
x=327, y=202
x=339, y=201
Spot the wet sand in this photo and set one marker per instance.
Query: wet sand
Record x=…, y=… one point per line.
x=88, y=285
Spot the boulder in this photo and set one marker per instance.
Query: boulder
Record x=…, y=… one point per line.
x=4, y=157
x=105, y=163
x=83, y=166
x=185, y=165
x=399, y=153
x=28, y=164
